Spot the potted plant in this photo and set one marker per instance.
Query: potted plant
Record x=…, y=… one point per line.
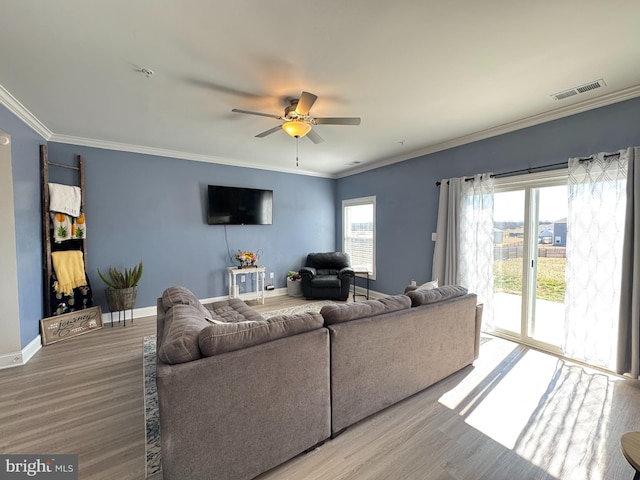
x=122, y=287
x=294, y=284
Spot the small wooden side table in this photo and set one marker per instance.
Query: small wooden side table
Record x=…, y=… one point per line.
x=630, y=446
x=258, y=273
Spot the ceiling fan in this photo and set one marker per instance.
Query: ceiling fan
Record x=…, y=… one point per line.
x=297, y=121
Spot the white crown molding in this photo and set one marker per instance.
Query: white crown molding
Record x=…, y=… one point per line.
x=20, y=111
x=126, y=147
x=592, y=104
x=14, y=106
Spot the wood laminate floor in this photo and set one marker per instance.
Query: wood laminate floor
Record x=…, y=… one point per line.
x=516, y=414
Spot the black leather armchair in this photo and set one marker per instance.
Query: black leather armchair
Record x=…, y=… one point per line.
x=326, y=275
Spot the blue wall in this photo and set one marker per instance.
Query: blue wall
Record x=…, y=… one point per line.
x=153, y=209
x=25, y=163
x=407, y=197
x=142, y=207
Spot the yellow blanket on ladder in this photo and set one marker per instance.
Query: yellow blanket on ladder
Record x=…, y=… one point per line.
x=69, y=268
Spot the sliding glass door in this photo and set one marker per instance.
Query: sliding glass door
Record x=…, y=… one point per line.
x=508, y=254
x=529, y=268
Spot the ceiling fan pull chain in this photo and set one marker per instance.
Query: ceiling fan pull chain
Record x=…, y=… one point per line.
x=297, y=143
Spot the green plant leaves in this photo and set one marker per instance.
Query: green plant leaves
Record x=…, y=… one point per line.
x=117, y=279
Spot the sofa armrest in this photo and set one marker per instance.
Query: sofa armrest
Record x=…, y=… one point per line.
x=308, y=272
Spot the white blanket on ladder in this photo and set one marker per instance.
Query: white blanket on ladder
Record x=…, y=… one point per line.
x=65, y=198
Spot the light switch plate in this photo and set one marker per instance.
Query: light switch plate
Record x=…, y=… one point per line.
x=434, y=235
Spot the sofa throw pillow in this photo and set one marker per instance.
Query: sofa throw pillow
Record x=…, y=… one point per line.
x=424, y=297
x=182, y=326
x=183, y=296
x=221, y=338
x=339, y=313
x=429, y=285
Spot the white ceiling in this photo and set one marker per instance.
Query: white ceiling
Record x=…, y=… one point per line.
x=423, y=74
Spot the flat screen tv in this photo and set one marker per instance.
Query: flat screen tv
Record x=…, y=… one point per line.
x=239, y=206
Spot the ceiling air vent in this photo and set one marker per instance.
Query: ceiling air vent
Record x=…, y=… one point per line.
x=581, y=89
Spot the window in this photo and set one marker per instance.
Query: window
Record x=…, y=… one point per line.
x=359, y=232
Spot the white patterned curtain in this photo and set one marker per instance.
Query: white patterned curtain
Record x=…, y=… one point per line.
x=595, y=228
x=475, y=256
x=463, y=253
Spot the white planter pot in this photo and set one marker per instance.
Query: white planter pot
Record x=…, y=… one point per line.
x=294, y=288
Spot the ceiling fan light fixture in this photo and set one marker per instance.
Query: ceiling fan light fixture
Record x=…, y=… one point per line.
x=296, y=129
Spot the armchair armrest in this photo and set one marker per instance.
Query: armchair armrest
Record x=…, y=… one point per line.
x=308, y=272
x=346, y=272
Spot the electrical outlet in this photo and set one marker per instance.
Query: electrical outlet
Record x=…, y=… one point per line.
x=271, y=275
x=242, y=278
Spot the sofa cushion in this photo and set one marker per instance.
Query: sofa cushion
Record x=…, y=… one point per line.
x=219, y=338
x=232, y=311
x=182, y=326
x=183, y=296
x=339, y=313
x=325, y=281
x=424, y=297
x=327, y=271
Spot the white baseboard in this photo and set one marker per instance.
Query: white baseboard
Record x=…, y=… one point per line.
x=21, y=357
x=250, y=296
x=9, y=360
x=137, y=313
x=362, y=292
x=31, y=349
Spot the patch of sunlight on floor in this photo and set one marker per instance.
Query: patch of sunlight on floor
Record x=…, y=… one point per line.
x=506, y=410
x=549, y=411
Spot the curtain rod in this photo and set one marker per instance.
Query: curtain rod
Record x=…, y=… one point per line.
x=532, y=169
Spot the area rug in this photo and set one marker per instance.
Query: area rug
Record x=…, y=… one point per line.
x=152, y=421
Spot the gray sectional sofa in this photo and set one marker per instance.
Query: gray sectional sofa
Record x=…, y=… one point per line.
x=239, y=394
x=383, y=351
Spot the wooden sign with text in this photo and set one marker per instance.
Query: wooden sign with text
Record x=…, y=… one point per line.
x=68, y=325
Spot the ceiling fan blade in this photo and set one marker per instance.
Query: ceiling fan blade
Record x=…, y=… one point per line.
x=257, y=113
x=314, y=137
x=336, y=121
x=222, y=88
x=305, y=103
x=269, y=132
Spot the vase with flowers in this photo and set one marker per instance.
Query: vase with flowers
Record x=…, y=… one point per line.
x=246, y=259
